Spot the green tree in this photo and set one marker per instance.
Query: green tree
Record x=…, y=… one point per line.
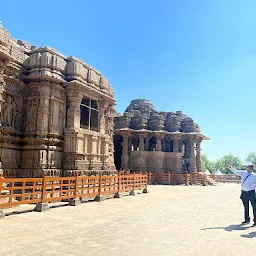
x=229, y=159
x=207, y=164
x=251, y=157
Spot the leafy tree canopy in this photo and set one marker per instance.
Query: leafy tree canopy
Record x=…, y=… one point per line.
x=221, y=163
x=251, y=157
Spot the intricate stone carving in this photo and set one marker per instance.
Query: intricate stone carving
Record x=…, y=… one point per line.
x=32, y=111
x=37, y=87
x=8, y=112
x=169, y=140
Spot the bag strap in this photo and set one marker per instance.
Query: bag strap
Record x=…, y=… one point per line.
x=246, y=179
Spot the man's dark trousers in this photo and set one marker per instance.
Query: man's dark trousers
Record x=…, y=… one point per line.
x=246, y=198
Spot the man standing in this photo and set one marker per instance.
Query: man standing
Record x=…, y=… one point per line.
x=248, y=184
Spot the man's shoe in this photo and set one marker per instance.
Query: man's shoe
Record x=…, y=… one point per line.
x=245, y=222
x=254, y=224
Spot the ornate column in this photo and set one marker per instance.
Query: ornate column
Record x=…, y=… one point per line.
x=198, y=155
x=102, y=108
x=141, y=141
x=74, y=98
x=125, y=156
x=192, y=159
x=2, y=84
x=176, y=139
x=159, y=137
x=109, y=128
x=43, y=109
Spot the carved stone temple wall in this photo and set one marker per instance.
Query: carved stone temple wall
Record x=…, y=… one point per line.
x=150, y=141
x=56, y=113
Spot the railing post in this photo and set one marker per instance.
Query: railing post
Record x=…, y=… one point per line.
x=204, y=180
x=149, y=178
x=1, y=184
x=134, y=180
x=118, y=194
x=133, y=193
x=43, y=206
x=145, y=190
x=76, y=200
x=100, y=197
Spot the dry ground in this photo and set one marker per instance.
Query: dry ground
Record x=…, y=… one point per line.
x=170, y=220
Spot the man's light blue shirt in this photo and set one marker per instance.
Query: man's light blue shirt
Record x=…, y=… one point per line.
x=249, y=183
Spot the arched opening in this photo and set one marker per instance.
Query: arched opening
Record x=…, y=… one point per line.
x=118, y=151
x=185, y=156
x=171, y=145
x=89, y=114
x=165, y=145
x=152, y=144
x=135, y=144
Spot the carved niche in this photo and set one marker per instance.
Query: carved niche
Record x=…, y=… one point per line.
x=32, y=104
x=109, y=123
x=8, y=111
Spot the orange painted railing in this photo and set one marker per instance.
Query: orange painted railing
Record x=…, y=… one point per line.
x=17, y=191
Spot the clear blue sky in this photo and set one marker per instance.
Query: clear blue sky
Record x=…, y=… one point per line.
x=193, y=55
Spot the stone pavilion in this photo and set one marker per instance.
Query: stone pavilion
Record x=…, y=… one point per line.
x=150, y=141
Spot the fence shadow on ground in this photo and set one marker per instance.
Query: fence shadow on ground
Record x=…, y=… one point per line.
x=230, y=228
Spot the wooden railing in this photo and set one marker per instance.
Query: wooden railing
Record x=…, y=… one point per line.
x=170, y=178
x=17, y=191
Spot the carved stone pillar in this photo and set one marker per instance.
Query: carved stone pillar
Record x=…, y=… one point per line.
x=2, y=84
x=176, y=144
x=159, y=137
x=125, y=156
x=102, y=108
x=73, y=120
x=43, y=110
x=141, y=142
x=198, y=155
x=192, y=159
x=158, y=144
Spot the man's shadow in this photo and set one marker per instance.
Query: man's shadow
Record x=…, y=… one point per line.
x=250, y=235
x=233, y=227
x=230, y=228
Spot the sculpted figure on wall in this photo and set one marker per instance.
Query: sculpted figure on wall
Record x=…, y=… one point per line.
x=109, y=120
x=8, y=112
x=18, y=119
x=31, y=111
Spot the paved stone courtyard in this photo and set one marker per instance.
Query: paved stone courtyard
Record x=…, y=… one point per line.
x=171, y=220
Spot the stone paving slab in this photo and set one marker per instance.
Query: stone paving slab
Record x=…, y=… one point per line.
x=170, y=220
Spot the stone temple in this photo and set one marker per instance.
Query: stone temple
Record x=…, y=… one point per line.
x=152, y=141
x=57, y=116
x=56, y=113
